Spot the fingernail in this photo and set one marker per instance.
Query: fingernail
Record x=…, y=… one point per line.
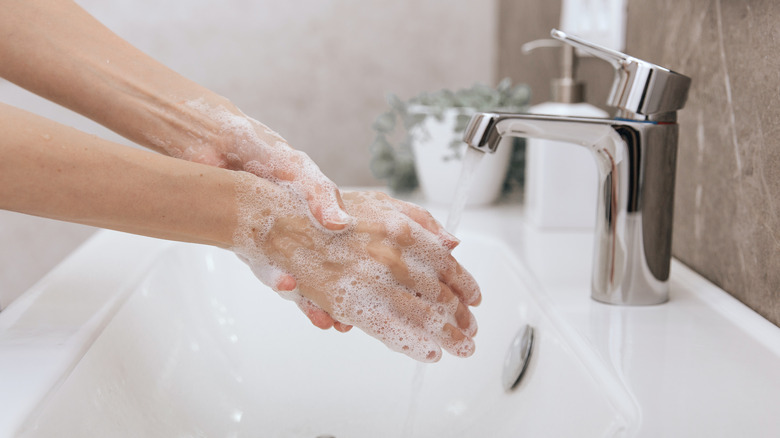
x=341, y=218
x=343, y=328
x=432, y=356
x=450, y=241
x=286, y=283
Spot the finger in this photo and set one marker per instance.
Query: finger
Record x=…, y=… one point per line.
x=450, y=329
x=316, y=315
x=391, y=258
x=340, y=326
x=396, y=321
x=409, y=341
x=272, y=276
x=454, y=341
x=295, y=167
x=463, y=318
x=286, y=283
x=461, y=283
x=327, y=207
x=438, y=321
x=319, y=317
x=427, y=221
x=466, y=320
x=322, y=195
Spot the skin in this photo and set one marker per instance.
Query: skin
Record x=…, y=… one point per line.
x=54, y=171
x=57, y=50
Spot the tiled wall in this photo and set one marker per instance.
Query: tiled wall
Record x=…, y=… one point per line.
x=727, y=207
x=317, y=71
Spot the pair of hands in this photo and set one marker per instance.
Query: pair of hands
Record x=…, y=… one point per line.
x=381, y=264
x=81, y=65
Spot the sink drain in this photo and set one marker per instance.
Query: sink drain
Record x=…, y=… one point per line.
x=516, y=360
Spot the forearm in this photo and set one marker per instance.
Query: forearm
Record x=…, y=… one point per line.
x=59, y=51
x=54, y=171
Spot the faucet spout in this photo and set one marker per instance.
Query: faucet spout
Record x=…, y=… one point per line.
x=636, y=162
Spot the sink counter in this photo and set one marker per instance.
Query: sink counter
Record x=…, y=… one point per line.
x=702, y=364
x=123, y=325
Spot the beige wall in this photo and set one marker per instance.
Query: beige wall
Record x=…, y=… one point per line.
x=521, y=21
x=317, y=71
x=727, y=205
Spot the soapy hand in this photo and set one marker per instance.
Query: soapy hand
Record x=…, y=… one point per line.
x=422, y=217
x=386, y=273
x=245, y=144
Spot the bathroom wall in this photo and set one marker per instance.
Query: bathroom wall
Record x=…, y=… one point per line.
x=317, y=71
x=727, y=206
x=521, y=21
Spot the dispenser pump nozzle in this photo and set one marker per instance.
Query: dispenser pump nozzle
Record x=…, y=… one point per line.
x=565, y=89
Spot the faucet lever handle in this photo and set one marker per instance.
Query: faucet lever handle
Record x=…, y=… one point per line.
x=641, y=90
x=612, y=56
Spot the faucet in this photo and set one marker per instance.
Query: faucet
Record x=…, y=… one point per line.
x=636, y=154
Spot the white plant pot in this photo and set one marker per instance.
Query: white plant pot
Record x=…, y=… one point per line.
x=439, y=165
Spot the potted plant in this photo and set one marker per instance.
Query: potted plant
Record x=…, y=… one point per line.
x=428, y=150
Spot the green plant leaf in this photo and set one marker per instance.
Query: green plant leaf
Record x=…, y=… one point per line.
x=404, y=178
x=381, y=168
x=395, y=103
x=381, y=146
x=461, y=122
x=385, y=122
x=395, y=163
x=413, y=119
x=518, y=97
x=504, y=86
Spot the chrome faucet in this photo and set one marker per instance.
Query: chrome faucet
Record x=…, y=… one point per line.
x=636, y=154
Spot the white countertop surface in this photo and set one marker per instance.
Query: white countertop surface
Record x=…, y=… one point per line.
x=702, y=364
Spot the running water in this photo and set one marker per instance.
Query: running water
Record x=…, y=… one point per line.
x=471, y=161
x=414, y=398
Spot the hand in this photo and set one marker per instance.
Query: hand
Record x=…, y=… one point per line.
x=386, y=273
x=246, y=144
x=321, y=318
x=242, y=143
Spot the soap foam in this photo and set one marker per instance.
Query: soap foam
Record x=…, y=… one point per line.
x=268, y=155
x=253, y=147
x=277, y=233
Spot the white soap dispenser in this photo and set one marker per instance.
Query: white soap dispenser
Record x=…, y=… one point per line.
x=561, y=178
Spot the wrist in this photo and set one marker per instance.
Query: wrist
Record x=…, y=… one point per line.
x=183, y=128
x=211, y=130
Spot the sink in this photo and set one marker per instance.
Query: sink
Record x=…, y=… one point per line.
x=201, y=348
x=133, y=336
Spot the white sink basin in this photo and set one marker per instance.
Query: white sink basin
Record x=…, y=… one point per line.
x=139, y=337
x=200, y=348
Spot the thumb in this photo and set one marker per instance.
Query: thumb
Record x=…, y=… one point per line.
x=327, y=207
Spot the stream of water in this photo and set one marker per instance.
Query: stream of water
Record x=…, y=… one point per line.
x=471, y=160
x=414, y=398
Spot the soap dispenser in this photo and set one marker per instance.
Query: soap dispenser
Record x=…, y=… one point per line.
x=561, y=178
